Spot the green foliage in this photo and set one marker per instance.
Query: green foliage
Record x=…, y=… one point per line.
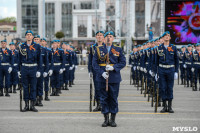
x=59, y=34
x=8, y=20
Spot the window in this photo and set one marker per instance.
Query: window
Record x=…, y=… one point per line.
x=67, y=19
x=82, y=26
x=49, y=19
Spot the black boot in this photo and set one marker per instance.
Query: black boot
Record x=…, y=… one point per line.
x=53, y=92
x=10, y=89
x=73, y=82
x=170, y=106
x=57, y=92
x=181, y=81
x=195, y=89
x=190, y=83
x=14, y=89
x=66, y=88
x=165, y=107
x=106, y=120
x=70, y=84
x=37, y=101
x=98, y=108
x=62, y=87
x=32, y=107
x=159, y=102
x=112, y=120
x=40, y=101
x=26, y=108
x=7, y=95
x=187, y=83
x=1, y=92
x=46, y=96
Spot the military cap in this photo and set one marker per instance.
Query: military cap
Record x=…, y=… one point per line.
x=109, y=33
x=11, y=43
x=37, y=36
x=4, y=40
x=44, y=39
x=198, y=44
x=28, y=31
x=99, y=32
x=189, y=45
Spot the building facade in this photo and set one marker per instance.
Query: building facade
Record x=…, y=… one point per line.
x=80, y=19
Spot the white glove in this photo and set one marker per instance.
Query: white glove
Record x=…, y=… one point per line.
x=9, y=69
x=61, y=71
x=73, y=66
x=109, y=68
x=90, y=74
x=129, y=65
x=134, y=68
x=192, y=69
x=105, y=75
x=184, y=66
x=76, y=67
x=50, y=72
x=38, y=74
x=19, y=74
x=45, y=74
x=145, y=70
x=150, y=72
x=141, y=69
x=138, y=67
x=175, y=76
x=70, y=68
x=156, y=77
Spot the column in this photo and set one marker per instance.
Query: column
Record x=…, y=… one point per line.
x=147, y=16
x=89, y=26
x=58, y=15
x=117, y=18
x=75, y=26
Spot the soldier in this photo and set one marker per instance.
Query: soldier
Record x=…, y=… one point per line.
x=167, y=63
x=75, y=65
x=132, y=62
x=14, y=80
x=58, y=62
x=100, y=39
x=68, y=64
x=62, y=74
x=187, y=61
x=110, y=72
x=50, y=67
x=181, y=56
x=6, y=65
x=196, y=65
x=30, y=64
x=44, y=71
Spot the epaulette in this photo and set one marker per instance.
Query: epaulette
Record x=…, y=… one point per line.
x=99, y=46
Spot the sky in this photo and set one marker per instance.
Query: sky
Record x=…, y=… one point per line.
x=8, y=8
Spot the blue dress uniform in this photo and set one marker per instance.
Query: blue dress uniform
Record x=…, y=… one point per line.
x=167, y=64
x=6, y=62
x=71, y=68
x=30, y=63
x=75, y=65
x=14, y=79
x=68, y=64
x=117, y=59
x=187, y=61
x=46, y=79
x=40, y=80
x=132, y=63
x=182, y=70
x=91, y=70
x=196, y=66
x=62, y=74
x=58, y=62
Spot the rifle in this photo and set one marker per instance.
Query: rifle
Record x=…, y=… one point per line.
x=153, y=95
x=107, y=63
x=150, y=90
x=185, y=76
x=145, y=88
x=138, y=80
x=142, y=88
x=130, y=75
x=193, y=81
x=178, y=77
x=20, y=95
x=157, y=96
x=90, y=107
x=135, y=80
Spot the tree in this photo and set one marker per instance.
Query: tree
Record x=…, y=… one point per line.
x=59, y=34
x=8, y=20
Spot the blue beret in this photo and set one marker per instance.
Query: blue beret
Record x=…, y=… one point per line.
x=198, y=44
x=156, y=39
x=44, y=39
x=134, y=46
x=139, y=45
x=183, y=47
x=11, y=43
x=58, y=40
x=165, y=33
x=99, y=32
x=72, y=47
x=54, y=41
x=4, y=40
x=28, y=31
x=144, y=44
x=189, y=45
x=37, y=36
x=109, y=33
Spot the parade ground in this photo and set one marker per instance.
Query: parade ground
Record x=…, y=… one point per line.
x=69, y=112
